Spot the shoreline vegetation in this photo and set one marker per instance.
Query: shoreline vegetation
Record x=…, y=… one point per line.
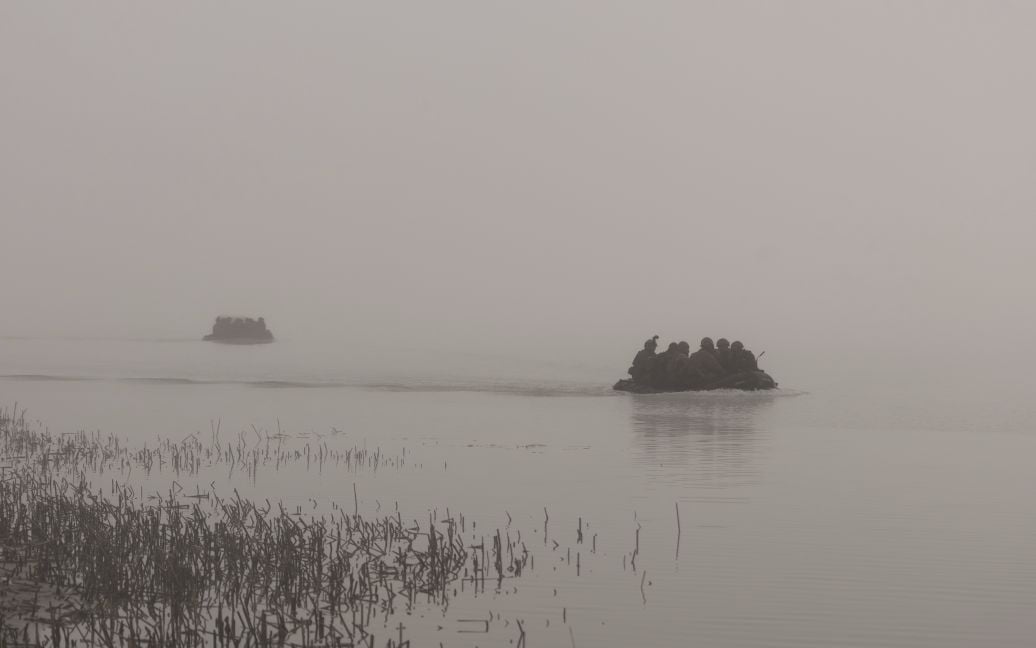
x=113, y=566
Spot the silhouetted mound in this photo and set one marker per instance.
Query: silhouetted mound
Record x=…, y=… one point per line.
x=744, y=381
x=239, y=330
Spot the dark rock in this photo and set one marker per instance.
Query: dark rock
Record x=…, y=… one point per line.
x=744, y=381
x=239, y=330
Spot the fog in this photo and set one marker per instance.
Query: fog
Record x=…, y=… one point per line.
x=820, y=179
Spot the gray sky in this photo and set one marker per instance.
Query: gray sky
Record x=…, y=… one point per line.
x=803, y=175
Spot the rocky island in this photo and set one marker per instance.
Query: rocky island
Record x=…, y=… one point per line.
x=239, y=330
x=713, y=366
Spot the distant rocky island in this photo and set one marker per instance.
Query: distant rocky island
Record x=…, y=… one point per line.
x=239, y=330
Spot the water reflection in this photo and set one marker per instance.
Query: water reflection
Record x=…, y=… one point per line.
x=706, y=439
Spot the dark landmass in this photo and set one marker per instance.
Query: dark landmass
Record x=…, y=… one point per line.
x=745, y=381
x=239, y=330
x=719, y=365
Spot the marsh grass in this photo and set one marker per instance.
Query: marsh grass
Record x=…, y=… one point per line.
x=82, y=565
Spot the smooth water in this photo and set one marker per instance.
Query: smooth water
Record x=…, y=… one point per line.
x=842, y=510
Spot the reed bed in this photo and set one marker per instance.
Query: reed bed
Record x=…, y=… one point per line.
x=244, y=455
x=86, y=566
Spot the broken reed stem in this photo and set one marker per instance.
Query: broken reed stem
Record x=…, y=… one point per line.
x=678, y=530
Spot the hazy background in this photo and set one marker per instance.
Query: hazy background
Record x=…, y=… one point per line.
x=835, y=182
x=462, y=219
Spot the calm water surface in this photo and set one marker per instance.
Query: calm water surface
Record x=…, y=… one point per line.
x=845, y=511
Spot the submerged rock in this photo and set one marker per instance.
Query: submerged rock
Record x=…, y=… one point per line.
x=239, y=330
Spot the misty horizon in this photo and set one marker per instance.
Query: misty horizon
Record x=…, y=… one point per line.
x=462, y=222
x=851, y=177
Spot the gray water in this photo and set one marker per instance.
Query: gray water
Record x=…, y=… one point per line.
x=850, y=508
